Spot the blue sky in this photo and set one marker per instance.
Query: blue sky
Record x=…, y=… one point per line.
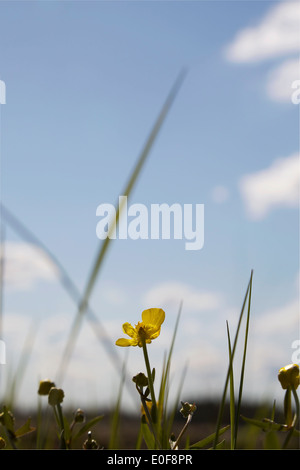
x=85, y=82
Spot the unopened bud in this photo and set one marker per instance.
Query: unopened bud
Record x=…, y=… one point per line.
x=289, y=377
x=45, y=386
x=79, y=416
x=90, y=444
x=140, y=380
x=187, y=409
x=56, y=396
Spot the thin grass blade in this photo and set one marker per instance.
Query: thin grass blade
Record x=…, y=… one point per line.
x=222, y=404
x=243, y=364
x=232, y=400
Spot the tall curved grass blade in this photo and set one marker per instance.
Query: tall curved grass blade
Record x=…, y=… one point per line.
x=232, y=400
x=238, y=408
x=222, y=405
x=75, y=328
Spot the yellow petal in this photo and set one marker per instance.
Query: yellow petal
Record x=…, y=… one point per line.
x=124, y=342
x=128, y=329
x=156, y=334
x=153, y=316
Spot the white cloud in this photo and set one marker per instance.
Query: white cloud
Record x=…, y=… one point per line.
x=276, y=35
x=279, y=83
x=276, y=186
x=171, y=294
x=25, y=264
x=273, y=336
x=284, y=319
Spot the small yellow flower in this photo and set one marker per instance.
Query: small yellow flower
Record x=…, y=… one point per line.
x=289, y=376
x=146, y=330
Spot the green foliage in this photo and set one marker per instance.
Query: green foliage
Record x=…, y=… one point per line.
x=7, y=420
x=208, y=440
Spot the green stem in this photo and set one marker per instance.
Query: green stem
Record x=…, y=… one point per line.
x=149, y=373
x=288, y=406
x=297, y=414
x=295, y=420
x=150, y=422
x=62, y=426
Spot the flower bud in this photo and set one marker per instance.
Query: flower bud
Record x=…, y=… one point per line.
x=187, y=409
x=56, y=396
x=90, y=444
x=79, y=416
x=140, y=380
x=288, y=376
x=45, y=386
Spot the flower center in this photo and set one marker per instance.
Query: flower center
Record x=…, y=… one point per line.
x=142, y=332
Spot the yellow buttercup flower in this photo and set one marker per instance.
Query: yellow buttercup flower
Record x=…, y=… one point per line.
x=146, y=330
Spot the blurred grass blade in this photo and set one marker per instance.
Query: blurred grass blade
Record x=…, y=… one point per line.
x=222, y=405
x=267, y=425
x=115, y=421
x=65, y=280
x=103, y=250
x=19, y=373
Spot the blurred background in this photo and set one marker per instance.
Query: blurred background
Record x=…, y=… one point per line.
x=85, y=82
